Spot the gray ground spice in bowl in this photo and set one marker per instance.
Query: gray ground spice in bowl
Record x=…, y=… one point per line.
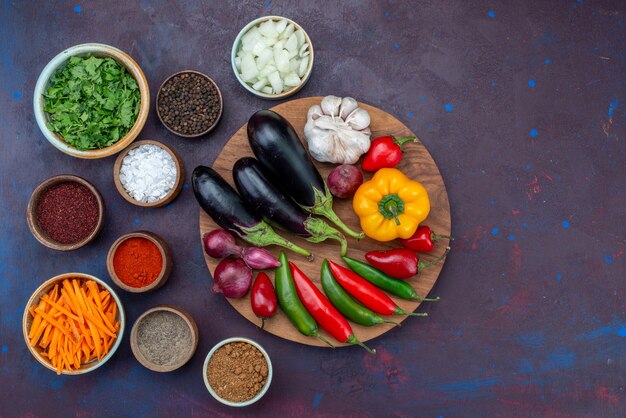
x=164, y=338
x=237, y=371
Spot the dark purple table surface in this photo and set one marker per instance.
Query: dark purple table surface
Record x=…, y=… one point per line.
x=521, y=105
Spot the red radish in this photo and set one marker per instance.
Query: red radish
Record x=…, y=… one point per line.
x=344, y=180
x=232, y=277
x=263, y=298
x=219, y=244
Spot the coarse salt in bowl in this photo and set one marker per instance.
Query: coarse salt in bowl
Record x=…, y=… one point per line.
x=146, y=183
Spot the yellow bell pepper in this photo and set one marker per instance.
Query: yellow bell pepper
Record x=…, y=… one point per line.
x=390, y=205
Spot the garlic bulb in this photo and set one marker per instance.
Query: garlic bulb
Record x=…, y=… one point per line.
x=337, y=130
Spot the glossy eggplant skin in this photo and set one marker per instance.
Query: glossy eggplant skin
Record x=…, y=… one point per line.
x=220, y=201
x=260, y=190
x=276, y=145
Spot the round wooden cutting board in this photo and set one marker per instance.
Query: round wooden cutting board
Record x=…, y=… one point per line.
x=416, y=164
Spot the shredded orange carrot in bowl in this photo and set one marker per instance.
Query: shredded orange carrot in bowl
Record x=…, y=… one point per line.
x=74, y=324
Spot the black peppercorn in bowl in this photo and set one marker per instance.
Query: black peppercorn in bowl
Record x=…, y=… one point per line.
x=65, y=212
x=189, y=104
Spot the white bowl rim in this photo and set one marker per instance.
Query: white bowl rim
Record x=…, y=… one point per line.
x=265, y=386
x=284, y=94
x=42, y=83
x=120, y=309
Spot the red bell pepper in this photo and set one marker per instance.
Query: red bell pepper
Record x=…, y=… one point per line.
x=385, y=151
x=369, y=295
x=423, y=240
x=400, y=263
x=322, y=310
x=263, y=298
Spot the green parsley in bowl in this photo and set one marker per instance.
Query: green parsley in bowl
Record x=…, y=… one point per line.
x=91, y=101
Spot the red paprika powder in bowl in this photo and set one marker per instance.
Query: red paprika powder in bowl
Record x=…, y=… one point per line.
x=139, y=262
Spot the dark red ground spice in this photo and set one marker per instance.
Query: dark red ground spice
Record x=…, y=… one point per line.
x=67, y=212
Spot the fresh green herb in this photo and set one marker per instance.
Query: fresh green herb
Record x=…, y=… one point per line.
x=92, y=102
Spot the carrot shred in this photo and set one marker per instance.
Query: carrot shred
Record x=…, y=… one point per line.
x=73, y=324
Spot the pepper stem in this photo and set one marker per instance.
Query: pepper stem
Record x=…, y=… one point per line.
x=422, y=266
x=400, y=311
x=321, y=231
x=324, y=206
x=403, y=140
x=390, y=206
x=353, y=340
x=262, y=323
x=316, y=334
x=263, y=235
x=436, y=237
x=386, y=321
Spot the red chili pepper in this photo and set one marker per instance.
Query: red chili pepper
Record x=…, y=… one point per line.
x=263, y=298
x=369, y=295
x=400, y=263
x=385, y=151
x=322, y=310
x=423, y=240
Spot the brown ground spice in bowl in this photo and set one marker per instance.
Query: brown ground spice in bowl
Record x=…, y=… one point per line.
x=237, y=371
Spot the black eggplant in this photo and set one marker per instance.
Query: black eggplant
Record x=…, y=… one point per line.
x=260, y=190
x=277, y=146
x=225, y=206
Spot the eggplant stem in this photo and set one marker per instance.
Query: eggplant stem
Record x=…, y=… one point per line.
x=263, y=235
x=321, y=231
x=324, y=207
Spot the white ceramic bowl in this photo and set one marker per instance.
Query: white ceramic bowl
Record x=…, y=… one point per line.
x=267, y=382
x=286, y=93
x=45, y=288
x=98, y=50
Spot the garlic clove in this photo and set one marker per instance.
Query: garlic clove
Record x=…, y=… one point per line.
x=358, y=119
x=330, y=105
x=348, y=104
x=304, y=50
x=314, y=113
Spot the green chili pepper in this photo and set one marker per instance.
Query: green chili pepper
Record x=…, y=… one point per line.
x=353, y=310
x=384, y=281
x=291, y=304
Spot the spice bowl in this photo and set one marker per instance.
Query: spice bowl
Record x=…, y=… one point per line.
x=139, y=262
x=237, y=368
x=36, y=300
x=99, y=51
x=202, y=93
x=61, y=212
x=144, y=158
x=237, y=44
x=164, y=338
